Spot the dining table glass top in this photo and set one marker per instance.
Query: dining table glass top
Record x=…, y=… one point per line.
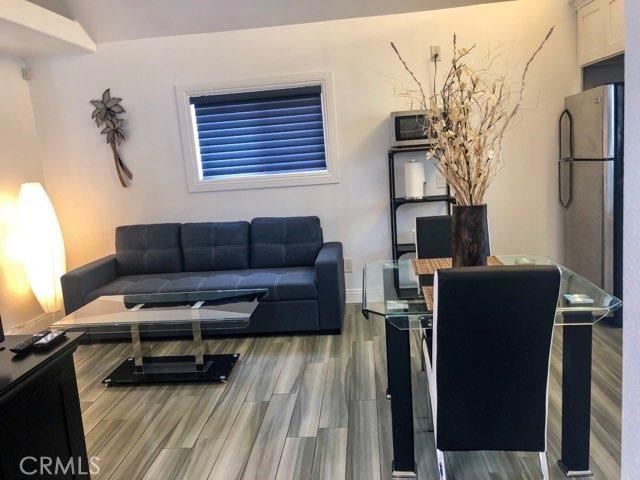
x=391, y=289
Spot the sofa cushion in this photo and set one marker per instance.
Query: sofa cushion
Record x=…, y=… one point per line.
x=215, y=246
x=143, y=249
x=297, y=283
x=285, y=242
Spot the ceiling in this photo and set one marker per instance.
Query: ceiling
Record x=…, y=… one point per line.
x=115, y=20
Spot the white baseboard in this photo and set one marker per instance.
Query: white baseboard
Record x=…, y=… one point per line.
x=354, y=295
x=41, y=322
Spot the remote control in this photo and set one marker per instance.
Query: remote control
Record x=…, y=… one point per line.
x=50, y=339
x=26, y=344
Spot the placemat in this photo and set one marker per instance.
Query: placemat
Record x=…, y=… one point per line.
x=427, y=293
x=428, y=266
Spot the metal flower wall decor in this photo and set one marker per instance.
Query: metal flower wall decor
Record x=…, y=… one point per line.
x=105, y=115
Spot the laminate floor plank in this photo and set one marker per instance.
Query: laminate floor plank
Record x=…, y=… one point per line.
x=101, y=434
x=191, y=424
x=112, y=452
x=330, y=459
x=267, y=449
x=363, y=375
x=335, y=402
x=257, y=351
x=202, y=456
x=98, y=409
x=297, y=459
x=469, y=465
x=322, y=348
x=380, y=364
x=237, y=447
x=363, y=450
x=147, y=447
x=385, y=439
x=294, y=365
x=306, y=414
x=224, y=413
x=167, y=464
x=268, y=373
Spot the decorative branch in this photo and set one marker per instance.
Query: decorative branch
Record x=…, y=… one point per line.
x=467, y=119
x=423, y=100
x=106, y=113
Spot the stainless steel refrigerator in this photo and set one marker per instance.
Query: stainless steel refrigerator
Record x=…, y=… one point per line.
x=590, y=172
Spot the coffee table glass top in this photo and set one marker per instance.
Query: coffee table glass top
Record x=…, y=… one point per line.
x=216, y=309
x=391, y=289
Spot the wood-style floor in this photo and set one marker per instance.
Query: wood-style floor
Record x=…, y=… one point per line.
x=305, y=407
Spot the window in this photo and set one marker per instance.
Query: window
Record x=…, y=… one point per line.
x=258, y=135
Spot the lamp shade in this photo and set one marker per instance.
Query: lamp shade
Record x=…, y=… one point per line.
x=41, y=245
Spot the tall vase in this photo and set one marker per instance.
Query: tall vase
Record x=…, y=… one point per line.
x=470, y=234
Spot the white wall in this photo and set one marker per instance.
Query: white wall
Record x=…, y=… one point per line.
x=79, y=170
x=631, y=339
x=19, y=162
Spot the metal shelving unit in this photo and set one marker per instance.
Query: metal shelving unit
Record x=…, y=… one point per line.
x=400, y=249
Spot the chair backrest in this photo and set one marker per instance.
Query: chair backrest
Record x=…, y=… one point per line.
x=493, y=328
x=433, y=237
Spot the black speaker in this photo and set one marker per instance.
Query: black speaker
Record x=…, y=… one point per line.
x=1, y=331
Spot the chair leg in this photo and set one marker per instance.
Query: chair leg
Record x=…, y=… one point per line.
x=441, y=468
x=544, y=465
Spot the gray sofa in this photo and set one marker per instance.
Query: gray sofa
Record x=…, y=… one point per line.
x=287, y=256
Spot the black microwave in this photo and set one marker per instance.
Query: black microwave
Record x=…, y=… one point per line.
x=410, y=128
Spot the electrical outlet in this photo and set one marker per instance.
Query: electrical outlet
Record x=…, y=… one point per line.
x=348, y=265
x=436, y=56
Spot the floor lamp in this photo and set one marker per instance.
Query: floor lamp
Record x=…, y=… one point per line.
x=42, y=246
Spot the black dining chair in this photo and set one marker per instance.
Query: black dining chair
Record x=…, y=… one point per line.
x=433, y=240
x=433, y=237
x=488, y=363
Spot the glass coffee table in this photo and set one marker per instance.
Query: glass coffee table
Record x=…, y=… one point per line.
x=167, y=314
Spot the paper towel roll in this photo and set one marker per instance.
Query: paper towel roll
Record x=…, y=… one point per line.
x=414, y=179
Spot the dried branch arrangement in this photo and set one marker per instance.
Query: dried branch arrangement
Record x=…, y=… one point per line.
x=467, y=118
x=106, y=112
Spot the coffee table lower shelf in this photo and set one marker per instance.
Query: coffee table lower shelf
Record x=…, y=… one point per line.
x=173, y=369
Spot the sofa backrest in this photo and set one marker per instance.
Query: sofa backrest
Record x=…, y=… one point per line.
x=142, y=249
x=268, y=242
x=215, y=246
x=285, y=241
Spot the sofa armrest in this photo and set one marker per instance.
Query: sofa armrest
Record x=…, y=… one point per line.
x=331, y=286
x=77, y=283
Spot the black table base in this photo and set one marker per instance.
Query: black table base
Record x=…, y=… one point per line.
x=399, y=388
x=576, y=395
x=172, y=369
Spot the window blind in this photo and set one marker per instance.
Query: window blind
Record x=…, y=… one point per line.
x=266, y=132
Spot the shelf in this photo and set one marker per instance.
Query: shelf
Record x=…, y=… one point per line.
x=429, y=198
x=402, y=248
x=413, y=148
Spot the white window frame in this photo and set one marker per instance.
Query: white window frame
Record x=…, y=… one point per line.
x=191, y=152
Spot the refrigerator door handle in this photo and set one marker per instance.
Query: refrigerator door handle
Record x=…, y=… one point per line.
x=565, y=159
x=565, y=203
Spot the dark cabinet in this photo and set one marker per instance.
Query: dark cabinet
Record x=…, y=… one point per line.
x=41, y=434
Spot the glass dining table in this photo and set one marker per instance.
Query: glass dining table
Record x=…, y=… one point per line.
x=392, y=290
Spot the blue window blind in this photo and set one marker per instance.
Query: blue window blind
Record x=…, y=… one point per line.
x=254, y=133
